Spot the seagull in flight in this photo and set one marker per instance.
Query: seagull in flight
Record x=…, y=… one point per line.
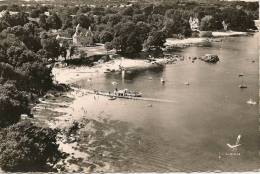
x=235, y=146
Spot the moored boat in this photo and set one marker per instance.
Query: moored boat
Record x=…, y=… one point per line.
x=112, y=98
x=251, y=102
x=242, y=86
x=187, y=83
x=127, y=93
x=162, y=80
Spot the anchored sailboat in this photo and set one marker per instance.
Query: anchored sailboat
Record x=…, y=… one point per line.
x=242, y=85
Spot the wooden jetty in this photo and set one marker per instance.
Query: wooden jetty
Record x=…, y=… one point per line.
x=106, y=94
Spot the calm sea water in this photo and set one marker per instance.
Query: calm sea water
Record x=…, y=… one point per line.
x=191, y=133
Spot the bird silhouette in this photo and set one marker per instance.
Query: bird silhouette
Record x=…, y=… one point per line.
x=235, y=146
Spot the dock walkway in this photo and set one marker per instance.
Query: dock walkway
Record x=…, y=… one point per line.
x=128, y=97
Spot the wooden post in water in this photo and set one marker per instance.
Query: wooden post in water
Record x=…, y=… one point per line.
x=123, y=76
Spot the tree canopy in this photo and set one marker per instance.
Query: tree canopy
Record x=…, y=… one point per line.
x=26, y=147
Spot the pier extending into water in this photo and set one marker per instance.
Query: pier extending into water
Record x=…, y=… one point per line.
x=106, y=94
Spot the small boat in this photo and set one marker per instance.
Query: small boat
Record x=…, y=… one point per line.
x=107, y=70
x=112, y=98
x=134, y=94
x=114, y=83
x=251, y=102
x=162, y=80
x=242, y=86
x=187, y=83
x=240, y=75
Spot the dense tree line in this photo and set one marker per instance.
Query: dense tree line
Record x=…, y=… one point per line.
x=25, y=75
x=168, y=17
x=25, y=148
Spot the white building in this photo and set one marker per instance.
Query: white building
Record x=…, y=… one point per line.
x=194, y=23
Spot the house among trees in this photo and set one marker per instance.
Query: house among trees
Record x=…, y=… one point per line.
x=225, y=26
x=79, y=39
x=88, y=40
x=75, y=37
x=194, y=23
x=4, y=12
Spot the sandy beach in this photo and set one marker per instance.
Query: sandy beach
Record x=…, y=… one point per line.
x=60, y=112
x=68, y=75
x=185, y=42
x=55, y=112
x=229, y=34
x=196, y=41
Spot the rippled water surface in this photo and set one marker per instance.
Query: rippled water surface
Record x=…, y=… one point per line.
x=190, y=133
